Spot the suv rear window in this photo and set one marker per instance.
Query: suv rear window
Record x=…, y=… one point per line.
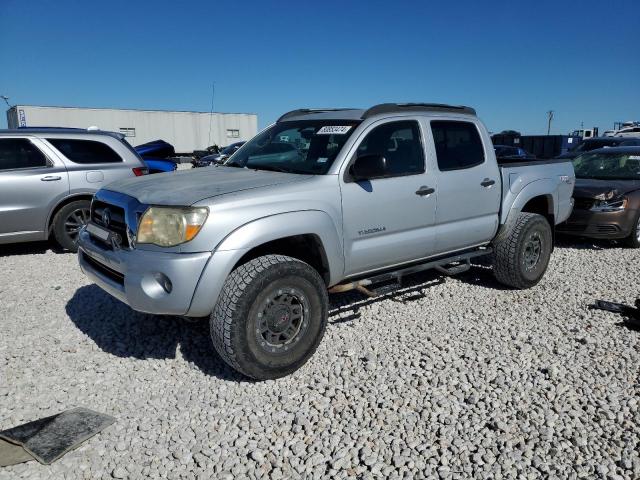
x=85, y=151
x=20, y=153
x=458, y=145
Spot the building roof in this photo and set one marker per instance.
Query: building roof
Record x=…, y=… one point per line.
x=128, y=109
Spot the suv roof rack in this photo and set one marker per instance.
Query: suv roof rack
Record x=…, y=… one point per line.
x=53, y=129
x=414, y=107
x=62, y=130
x=308, y=111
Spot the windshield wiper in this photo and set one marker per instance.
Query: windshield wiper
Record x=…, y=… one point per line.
x=230, y=164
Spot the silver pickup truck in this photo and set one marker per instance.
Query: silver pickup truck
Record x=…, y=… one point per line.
x=321, y=201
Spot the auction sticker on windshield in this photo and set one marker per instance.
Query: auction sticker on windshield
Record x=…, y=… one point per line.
x=334, y=130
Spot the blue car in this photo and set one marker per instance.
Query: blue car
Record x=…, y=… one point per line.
x=159, y=165
x=157, y=149
x=155, y=155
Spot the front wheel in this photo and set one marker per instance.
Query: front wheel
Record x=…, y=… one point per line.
x=68, y=222
x=270, y=316
x=521, y=258
x=633, y=240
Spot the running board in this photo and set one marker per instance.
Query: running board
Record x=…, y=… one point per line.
x=439, y=264
x=455, y=269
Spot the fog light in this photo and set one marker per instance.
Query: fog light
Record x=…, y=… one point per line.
x=164, y=282
x=156, y=284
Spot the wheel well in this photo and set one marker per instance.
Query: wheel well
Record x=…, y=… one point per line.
x=307, y=248
x=64, y=202
x=543, y=205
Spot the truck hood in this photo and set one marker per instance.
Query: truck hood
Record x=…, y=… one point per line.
x=187, y=187
x=592, y=188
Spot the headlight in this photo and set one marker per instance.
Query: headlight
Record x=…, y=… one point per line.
x=607, y=195
x=170, y=226
x=609, y=206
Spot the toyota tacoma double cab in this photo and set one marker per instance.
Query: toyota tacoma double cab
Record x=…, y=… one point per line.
x=323, y=200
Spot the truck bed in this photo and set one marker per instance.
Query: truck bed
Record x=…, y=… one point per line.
x=552, y=179
x=530, y=162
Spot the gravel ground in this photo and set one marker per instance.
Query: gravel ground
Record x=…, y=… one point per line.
x=445, y=378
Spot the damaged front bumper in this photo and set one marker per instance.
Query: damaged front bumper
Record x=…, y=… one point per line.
x=605, y=225
x=147, y=281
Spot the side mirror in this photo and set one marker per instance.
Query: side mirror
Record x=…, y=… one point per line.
x=368, y=167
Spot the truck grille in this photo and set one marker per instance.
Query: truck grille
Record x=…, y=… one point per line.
x=110, y=273
x=112, y=218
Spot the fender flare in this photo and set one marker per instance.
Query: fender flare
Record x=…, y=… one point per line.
x=255, y=233
x=544, y=187
x=281, y=225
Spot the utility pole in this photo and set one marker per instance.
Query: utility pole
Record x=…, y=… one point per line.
x=549, y=117
x=213, y=92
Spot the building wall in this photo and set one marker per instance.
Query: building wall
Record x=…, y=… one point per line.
x=186, y=131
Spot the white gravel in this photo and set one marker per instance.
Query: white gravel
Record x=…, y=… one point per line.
x=466, y=380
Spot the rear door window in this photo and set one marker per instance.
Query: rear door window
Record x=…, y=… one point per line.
x=458, y=145
x=85, y=151
x=20, y=153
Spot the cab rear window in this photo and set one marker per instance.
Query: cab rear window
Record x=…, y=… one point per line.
x=85, y=151
x=458, y=145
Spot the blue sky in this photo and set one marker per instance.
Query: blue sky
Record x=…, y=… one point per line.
x=511, y=60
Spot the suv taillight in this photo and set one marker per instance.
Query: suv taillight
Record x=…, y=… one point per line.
x=139, y=171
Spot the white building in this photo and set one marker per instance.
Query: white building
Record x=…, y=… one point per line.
x=186, y=131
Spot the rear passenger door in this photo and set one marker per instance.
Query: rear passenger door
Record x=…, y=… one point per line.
x=91, y=163
x=389, y=220
x=468, y=186
x=30, y=183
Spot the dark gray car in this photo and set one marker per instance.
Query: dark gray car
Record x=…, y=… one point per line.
x=49, y=175
x=599, y=142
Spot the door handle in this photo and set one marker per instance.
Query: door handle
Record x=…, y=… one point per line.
x=487, y=182
x=51, y=178
x=424, y=190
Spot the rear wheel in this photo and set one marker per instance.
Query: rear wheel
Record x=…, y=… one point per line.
x=270, y=316
x=633, y=240
x=68, y=222
x=521, y=258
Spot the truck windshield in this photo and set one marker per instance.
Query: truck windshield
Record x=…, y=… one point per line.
x=617, y=166
x=305, y=147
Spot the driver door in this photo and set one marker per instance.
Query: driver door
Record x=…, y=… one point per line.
x=390, y=220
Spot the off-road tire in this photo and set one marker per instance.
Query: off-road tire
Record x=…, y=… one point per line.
x=60, y=235
x=509, y=262
x=235, y=320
